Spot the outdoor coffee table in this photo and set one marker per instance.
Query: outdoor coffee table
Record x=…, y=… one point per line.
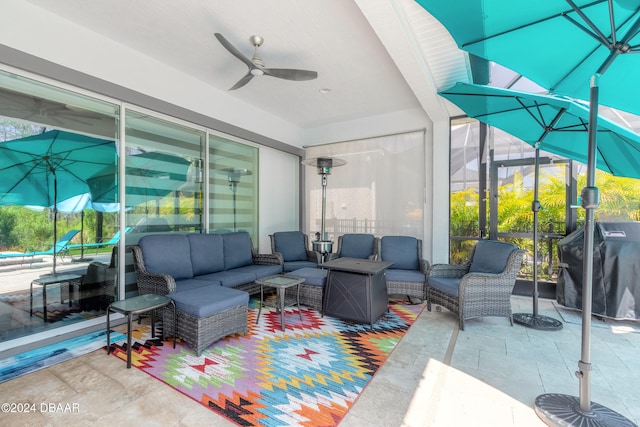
x=138, y=305
x=53, y=279
x=281, y=283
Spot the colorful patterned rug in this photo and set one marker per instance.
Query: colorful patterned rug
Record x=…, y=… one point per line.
x=309, y=375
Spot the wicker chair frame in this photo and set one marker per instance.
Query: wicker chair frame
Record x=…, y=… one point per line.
x=480, y=294
x=312, y=256
x=410, y=289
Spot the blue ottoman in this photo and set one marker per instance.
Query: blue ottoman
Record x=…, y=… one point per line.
x=207, y=314
x=312, y=289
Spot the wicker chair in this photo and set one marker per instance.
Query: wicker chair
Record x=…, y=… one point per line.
x=361, y=246
x=480, y=287
x=407, y=275
x=292, y=247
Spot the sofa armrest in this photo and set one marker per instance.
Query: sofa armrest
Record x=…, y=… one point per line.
x=267, y=259
x=151, y=283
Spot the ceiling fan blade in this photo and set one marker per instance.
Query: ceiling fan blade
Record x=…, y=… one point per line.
x=243, y=81
x=235, y=52
x=290, y=74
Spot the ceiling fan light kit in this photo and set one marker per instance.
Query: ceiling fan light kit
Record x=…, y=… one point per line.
x=257, y=67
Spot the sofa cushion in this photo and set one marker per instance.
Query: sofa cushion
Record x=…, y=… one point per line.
x=207, y=255
x=447, y=285
x=188, y=284
x=291, y=245
x=296, y=265
x=237, y=250
x=209, y=300
x=402, y=251
x=357, y=245
x=491, y=256
x=399, y=275
x=229, y=278
x=261, y=271
x=312, y=276
x=167, y=253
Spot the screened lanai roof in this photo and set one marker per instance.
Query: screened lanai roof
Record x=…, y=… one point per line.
x=465, y=138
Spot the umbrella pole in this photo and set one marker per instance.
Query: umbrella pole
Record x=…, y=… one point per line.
x=55, y=218
x=535, y=320
x=82, y=258
x=564, y=410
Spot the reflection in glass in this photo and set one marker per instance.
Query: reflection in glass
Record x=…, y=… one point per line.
x=162, y=176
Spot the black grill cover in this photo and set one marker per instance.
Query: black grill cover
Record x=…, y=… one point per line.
x=616, y=270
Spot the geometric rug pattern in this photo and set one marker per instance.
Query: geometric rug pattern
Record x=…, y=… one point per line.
x=308, y=375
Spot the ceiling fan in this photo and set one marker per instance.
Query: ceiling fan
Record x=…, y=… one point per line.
x=256, y=64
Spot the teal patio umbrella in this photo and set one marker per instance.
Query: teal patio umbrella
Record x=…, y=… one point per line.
x=555, y=124
x=557, y=44
x=42, y=169
x=560, y=126
x=570, y=48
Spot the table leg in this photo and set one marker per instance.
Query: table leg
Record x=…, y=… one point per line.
x=108, y=330
x=153, y=324
x=281, y=293
x=129, y=316
x=31, y=301
x=175, y=323
x=298, y=301
x=69, y=292
x=261, y=302
x=44, y=302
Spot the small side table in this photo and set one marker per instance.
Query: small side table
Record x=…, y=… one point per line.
x=138, y=305
x=280, y=283
x=53, y=279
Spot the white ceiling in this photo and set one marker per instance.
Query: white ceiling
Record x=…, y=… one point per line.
x=376, y=56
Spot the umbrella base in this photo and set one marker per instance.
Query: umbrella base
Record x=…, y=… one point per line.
x=83, y=259
x=536, y=321
x=564, y=410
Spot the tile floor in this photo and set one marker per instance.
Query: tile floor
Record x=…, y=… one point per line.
x=487, y=375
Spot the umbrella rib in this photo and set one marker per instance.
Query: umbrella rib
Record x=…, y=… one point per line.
x=597, y=34
x=31, y=165
x=529, y=24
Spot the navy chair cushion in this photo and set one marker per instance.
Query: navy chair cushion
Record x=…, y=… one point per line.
x=167, y=253
x=399, y=275
x=237, y=250
x=296, y=265
x=447, y=285
x=207, y=254
x=291, y=245
x=312, y=276
x=402, y=251
x=356, y=245
x=491, y=256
